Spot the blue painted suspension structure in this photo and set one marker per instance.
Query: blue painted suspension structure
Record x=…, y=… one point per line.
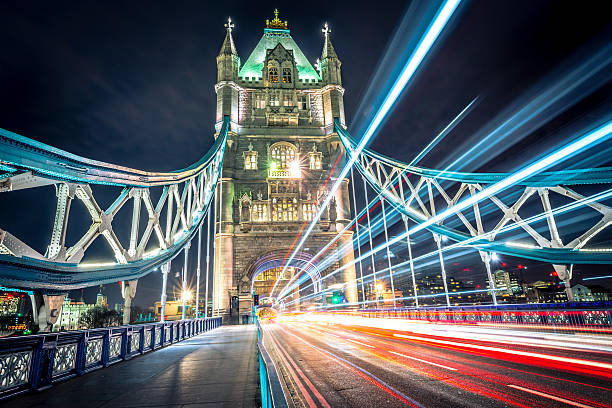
x=186, y=196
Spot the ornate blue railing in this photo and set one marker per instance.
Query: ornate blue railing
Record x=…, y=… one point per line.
x=39, y=361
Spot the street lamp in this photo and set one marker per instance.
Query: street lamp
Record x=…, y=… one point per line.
x=187, y=295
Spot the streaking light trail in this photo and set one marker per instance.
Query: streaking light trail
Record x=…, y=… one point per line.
x=431, y=34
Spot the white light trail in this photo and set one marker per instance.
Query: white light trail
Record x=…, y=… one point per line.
x=431, y=34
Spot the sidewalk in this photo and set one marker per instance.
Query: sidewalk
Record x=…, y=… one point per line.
x=215, y=369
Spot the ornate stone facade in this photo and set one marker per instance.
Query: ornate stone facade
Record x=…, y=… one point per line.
x=281, y=149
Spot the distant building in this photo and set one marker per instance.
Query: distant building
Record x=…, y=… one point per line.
x=10, y=303
x=545, y=292
x=600, y=293
x=582, y=293
x=70, y=315
x=174, y=310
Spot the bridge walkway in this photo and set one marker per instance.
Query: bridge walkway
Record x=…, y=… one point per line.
x=218, y=368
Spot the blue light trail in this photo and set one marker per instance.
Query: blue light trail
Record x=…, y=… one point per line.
x=425, y=44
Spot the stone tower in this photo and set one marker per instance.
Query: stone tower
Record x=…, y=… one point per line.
x=280, y=151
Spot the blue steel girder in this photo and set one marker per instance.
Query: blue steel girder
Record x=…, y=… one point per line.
x=411, y=190
x=185, y=198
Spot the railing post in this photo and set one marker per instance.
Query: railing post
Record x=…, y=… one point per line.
x=165, y=269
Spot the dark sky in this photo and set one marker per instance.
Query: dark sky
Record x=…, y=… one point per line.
x=132, y=82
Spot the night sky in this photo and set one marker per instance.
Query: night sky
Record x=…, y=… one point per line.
x=132, y=82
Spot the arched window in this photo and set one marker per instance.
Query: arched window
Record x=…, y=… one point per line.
x=283, y=154
x=273, y=74
x=286, y=75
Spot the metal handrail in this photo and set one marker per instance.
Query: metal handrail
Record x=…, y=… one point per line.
x=42, y=360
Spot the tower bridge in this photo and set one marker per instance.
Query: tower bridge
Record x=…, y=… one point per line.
x=287, y=206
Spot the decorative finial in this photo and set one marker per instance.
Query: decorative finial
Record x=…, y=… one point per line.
x=326, y=30
x=229, y=24
x=250, y=146
x=276, y=23
x=317, y=63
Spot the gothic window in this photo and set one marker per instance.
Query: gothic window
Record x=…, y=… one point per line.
x=259, y=212
x=260, y=101
x=284, y=209
x=288, y=100
x=274, y=101
x=250, y=160
x=315, y=161
x=273, y=74
x=286, y=75
x=315, y=158
x=283, y=154
x=303, y=102
x=308, y=210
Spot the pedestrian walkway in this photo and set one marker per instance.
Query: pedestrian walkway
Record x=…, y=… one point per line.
x=218, y=368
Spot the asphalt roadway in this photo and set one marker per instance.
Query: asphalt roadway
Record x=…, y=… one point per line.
x=218, y=368
x=331, y=365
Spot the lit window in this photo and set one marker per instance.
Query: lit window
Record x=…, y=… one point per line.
x=274, y=100
x=288, y=100
x=315, y=160
x=283, y=154
x=250, y=160
x=273, y=74
x=259, y=212
x=286, y=75
x=303, y=102
x=260, y=101
x=308, y=211
x=284, y=209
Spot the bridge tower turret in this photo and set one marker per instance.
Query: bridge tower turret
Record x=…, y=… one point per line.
x=329, y=66
x=228, y=64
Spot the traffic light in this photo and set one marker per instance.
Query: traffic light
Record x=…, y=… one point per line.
x=337, y=297
x=255, y=300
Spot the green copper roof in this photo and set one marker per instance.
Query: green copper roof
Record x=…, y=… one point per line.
x=254, y=64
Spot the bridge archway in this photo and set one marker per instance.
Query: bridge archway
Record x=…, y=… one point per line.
x=273, y=260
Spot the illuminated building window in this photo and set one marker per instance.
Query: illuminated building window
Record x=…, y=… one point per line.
x=308, y=210
x=315, y=158
x=259, y=212
x=260, y=101
x=250, y=158
x=315, y=161
x=288, y=100
x=303, y=102
x=273, y=74
x=250, y=161
x=286, y=75
x=274, y=100
x=283, y=154
x=284, y=209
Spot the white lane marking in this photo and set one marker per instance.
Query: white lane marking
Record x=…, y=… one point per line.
x=515, y=352
x=552, y=397
x=363, y=344
x=423, y=361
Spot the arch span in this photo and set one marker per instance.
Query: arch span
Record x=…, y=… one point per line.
x=274, y=259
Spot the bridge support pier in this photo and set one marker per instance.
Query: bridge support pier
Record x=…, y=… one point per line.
x=486, y=258
x=46, y=309
x=565, y=274
x=128, y=291
x=165, y=268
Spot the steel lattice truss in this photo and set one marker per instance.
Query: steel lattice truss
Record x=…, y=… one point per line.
x=420, y=194
x=171, y=220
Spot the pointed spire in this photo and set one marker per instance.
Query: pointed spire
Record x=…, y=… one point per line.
x=228, y=47
x=328, y=48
